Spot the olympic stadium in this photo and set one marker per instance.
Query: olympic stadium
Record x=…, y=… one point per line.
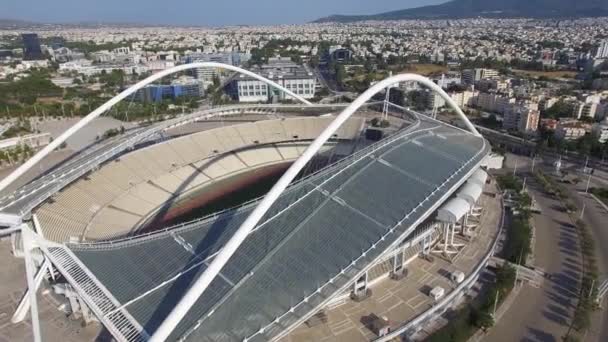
x=343, y=210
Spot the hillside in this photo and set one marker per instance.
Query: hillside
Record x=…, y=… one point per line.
x=489, y=8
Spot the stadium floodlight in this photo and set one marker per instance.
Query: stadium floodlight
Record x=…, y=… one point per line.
x=202, y=282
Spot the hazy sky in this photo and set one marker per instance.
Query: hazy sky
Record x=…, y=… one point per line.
x=195, y=12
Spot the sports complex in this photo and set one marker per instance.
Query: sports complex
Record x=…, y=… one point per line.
x=342, y=230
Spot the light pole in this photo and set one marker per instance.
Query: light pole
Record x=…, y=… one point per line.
x=588, y=183
x=583, y=210
x=533, y=162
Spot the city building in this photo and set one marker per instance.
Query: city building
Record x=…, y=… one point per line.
x=522, y=119
x=547, y=102
x=492, y=102
x=340, y=54
x=470, y=76
x=528, y=121
x=181, y=87
x=549, y=124
x=86, y=67
x=589, y=110
x=602, y=50
x=500, y=85
x=283, y=71
x=600, y=131
x=207, y=74
x=447, y=80
x=433, y=99
x=571, y=130
x=6, y=53
x=31, y=47
x=465, y=98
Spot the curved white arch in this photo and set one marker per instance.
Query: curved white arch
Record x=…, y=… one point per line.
x=201, y=284
x=106, y=106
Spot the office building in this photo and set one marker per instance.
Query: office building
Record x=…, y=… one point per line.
x=465, y=98
x=589, y=110
x=283, y=71
x=340, y=54
x=31, y=47
x=602, y=50
x=571, y=130
x=182, y=87
x=206, y=74
x=470, y=76
x=600, y=131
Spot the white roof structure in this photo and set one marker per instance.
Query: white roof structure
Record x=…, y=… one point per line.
x=470, y=192
x=479, y=177
x=454, y=210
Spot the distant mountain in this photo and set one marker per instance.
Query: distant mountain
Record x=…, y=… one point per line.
x=489, y=8
x=16, y=24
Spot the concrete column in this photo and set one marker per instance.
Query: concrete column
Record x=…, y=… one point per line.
x=395, y=262
x=446, y=227
x=452, y=237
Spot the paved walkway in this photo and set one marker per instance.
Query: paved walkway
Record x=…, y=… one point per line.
x=544, y=314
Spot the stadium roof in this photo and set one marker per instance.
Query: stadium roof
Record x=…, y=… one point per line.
x=321, y=234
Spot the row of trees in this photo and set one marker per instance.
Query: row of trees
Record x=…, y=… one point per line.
x=587, y=145
x=15, y=155
x=519, y=231
x=581, y=320
x=28, y=89
x=20, y=127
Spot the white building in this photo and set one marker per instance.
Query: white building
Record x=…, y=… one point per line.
x=434, y=100
x=602, y=50
x=206, y=74
x=283, y=71
x=600, y=131
x=470, y=76
x=465, y=98
x=591, y=110
x=85, y=67
x=570, y=130
x=494, y=103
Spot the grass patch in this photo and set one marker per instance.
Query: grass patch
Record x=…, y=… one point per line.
x=601, y=193
x=424, y=69
x=546, y=74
